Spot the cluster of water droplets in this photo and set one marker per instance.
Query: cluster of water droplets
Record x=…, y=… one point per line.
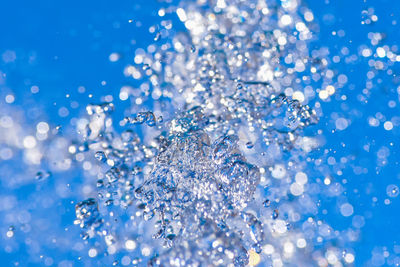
x=197, y=181
x=221, y=182
x=216, y=161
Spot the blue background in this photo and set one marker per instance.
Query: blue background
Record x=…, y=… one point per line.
x=61, y=45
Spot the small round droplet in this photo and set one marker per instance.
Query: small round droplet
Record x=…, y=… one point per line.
x=136, y=261
x=267, y=203
x=392, y=190
x=100, y=156
x=10, y=232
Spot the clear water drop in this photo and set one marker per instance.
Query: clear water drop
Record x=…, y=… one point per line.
x=100, y=156
x=392, y=190
x=249, y=145
x=275, y=214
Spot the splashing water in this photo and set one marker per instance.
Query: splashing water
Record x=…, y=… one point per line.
x=199, y=189
x=232, y=176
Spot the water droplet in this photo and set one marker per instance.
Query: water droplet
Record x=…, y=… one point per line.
x=143, y=117
x=100, y=183
x=392, y=190
x=100, y=156
x=249, y=145
x=146, y=66
x=113, y=174
x=87, y=213
x=42, y=175
x=275, y=214
x=148, y=215
x=158, y=36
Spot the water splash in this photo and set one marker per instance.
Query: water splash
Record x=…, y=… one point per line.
x=231, y=176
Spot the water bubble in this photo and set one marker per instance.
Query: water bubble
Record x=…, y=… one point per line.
x=392, y=190
x=249, y=145
x=275, y=214
x=11, y=231
x=100, y=156
x=136, y=261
